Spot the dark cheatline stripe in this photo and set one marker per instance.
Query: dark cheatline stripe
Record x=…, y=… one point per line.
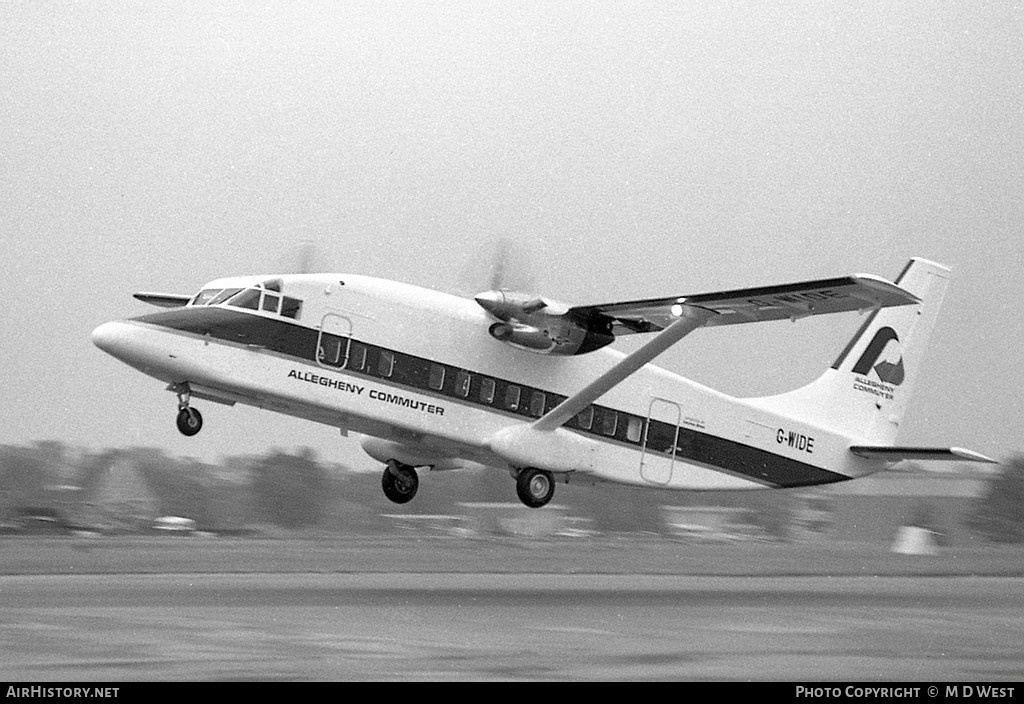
x=754, y=463
x=300, y=342
x=240, y=327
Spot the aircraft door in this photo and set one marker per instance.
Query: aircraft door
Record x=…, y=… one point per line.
x=658, y=453
x=332, y=344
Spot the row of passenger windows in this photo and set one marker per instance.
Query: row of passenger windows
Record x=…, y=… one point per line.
x=342, y=352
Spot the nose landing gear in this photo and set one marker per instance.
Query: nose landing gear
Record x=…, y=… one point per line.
x=189, y=420
x=399, y=482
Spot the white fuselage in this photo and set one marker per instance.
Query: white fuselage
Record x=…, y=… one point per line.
x=454, y=392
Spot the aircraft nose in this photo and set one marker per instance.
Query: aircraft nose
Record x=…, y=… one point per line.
x=111, y=338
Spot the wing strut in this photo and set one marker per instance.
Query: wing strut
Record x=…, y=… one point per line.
x=692, y=318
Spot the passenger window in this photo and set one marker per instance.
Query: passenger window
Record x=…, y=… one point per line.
x=553, y=402
x=462, y=380
x=585, y=418
x=436, y=380
x=270, y=302
x=634, y=429
x=487, y=390
x=512, y=394
x=291, y=307
x=356, y=356
x=609, y=421
x=385, y=363
x=330, y=350
x=537, y=404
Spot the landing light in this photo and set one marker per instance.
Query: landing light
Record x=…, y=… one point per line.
x=677, y=311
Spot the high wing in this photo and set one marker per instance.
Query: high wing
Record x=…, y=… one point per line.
x=163, y=300
x=674, y=318
x=858, y=292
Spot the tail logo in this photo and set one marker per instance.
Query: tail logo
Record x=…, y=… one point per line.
x=887, y=371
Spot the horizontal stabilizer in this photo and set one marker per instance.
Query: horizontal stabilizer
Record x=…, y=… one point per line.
x=164, y=300
x=895, y=454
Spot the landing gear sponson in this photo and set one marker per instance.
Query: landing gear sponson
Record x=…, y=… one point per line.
x=189, y=420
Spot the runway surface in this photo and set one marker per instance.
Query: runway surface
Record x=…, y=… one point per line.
x=473, y=626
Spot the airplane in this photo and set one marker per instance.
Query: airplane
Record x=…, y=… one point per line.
x=430, y=380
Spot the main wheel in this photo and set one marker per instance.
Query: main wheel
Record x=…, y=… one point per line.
x=535, y=487
x=190, y=421
x=400, y=482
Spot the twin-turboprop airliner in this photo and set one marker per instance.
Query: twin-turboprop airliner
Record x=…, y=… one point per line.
x=510, y=380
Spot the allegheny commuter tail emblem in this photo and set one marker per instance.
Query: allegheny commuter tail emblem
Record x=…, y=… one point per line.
x=888, y=372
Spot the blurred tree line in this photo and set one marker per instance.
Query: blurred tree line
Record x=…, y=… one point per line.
x=296, y=491
x=999, y=514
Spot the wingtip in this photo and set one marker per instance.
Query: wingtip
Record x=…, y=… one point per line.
x=885, y=287
x=971, y=455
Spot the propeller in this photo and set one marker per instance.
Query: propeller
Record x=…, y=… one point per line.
x=526, y=320
x=302, y=258
x=500, y=264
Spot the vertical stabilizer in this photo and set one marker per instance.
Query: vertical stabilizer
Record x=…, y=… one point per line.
x=864, y=394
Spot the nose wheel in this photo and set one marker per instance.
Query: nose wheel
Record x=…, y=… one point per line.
x=190, y=421
x=399, y=482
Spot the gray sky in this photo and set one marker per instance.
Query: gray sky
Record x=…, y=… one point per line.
x=629, y=150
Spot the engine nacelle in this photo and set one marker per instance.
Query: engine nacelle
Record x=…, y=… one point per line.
x=522, y=336
x=545, y=327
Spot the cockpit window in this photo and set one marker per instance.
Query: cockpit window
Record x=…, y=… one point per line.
x=291, y=307
x=224, y=295
x=205, y=296
x=259, y=298
x=270, y=302
x=249, y=298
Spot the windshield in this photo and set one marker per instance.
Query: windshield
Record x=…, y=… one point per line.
x=224, y=295
x=205, y=296
x=258, y=298
x=249, y=298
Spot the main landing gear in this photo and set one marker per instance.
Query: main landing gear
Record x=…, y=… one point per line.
x=535, y=486
x=189, y=420
x=399, y=482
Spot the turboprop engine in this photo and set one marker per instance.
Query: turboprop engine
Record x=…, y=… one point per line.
x=545, y=327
